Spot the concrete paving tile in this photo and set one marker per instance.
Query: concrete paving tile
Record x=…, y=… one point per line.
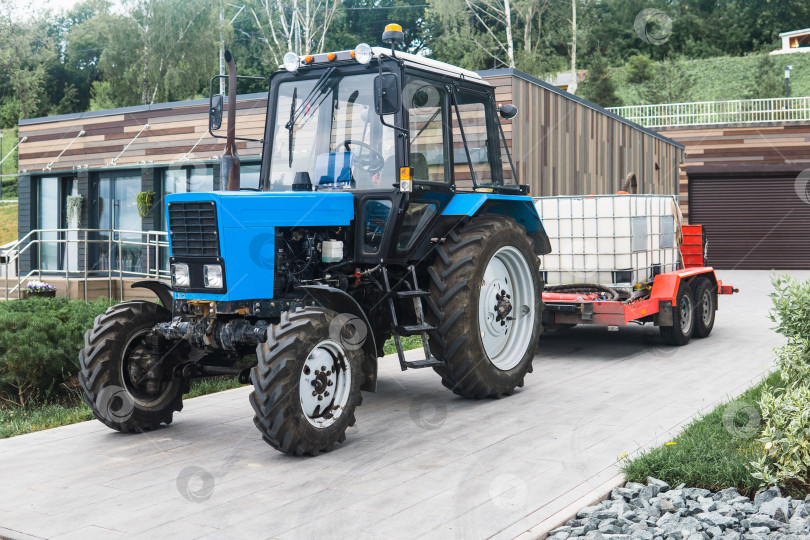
x=419, y=461
x=91, y=533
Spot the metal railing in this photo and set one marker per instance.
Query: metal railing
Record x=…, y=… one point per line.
x=75, y=246
x=717, y=112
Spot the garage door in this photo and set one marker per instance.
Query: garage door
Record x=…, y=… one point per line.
x=758, y=223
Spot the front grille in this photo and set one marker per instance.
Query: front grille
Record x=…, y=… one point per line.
x=193, y=228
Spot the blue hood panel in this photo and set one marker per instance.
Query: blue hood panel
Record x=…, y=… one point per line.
x=277, y=209
x=247, y=222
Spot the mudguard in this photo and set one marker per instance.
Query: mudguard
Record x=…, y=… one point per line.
x=341, y=302
x=161, y=290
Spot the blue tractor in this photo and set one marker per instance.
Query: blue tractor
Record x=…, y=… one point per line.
x=388, y=206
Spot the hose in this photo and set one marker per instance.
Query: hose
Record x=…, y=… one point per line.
x=585, y=288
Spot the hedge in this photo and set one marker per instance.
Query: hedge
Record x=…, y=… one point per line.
x=40, y=339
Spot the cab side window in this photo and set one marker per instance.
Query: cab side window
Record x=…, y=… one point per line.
x=426, y=102
x=479, y=164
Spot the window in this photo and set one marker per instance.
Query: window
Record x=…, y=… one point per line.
x=58, y=250
x=48, y=217
x=119, y=222
x=375, y=213
x=332, y=134
x=425, y=101
x=249, y=175
x=480, y=164
x=417, y=217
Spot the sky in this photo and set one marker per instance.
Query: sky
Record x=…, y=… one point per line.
x=23, y=9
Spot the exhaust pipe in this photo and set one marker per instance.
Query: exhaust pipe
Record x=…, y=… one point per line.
x=229, y=163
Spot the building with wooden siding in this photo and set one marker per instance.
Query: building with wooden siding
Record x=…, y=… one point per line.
x=748, y=184
x=561, y=144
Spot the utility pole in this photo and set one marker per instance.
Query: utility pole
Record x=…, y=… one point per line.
x=221, y=49
x=572, y=88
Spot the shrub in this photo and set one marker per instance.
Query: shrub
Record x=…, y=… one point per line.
x=40, y=340
x=784, y=457
x=639, y=69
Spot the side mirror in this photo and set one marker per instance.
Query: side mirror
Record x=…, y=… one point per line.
x=507, y=111
x=215, y=113
x=387, y=99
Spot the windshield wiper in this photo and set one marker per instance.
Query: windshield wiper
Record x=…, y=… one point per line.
x=295, y=114
x=290, y=126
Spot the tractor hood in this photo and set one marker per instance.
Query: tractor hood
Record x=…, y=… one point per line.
x=248, y=209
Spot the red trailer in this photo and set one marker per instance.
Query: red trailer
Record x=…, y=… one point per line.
x=681, y=303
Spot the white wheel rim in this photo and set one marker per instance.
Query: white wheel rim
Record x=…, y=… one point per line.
x=506, y=308
x=686, y=315
x=325, y=384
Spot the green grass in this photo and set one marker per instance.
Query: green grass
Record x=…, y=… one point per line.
x=724, y=78
x=408, y=343
x=8, y=223
x=705, y=454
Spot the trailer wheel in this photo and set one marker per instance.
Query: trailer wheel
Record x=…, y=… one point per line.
x=113, y=363
x=705, y=306
x=683, y=318
x=306, y=384
x=486, y=302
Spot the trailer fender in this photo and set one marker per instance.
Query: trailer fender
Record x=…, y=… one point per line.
x=341, y=302
x=161, y=290
x=665, y=286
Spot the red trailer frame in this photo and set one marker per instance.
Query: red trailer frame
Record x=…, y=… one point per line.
x=569, y=309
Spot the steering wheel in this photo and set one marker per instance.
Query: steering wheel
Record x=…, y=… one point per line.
x=371, y=163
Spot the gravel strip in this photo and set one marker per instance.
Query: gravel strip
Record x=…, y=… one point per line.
x=658, y=512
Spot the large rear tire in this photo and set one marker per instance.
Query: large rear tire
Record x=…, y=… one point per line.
x=683, y=318
x=486, y=302
x=109, y=375
x=306, y=384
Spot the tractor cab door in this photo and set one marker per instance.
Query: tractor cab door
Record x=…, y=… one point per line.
x=426, y=105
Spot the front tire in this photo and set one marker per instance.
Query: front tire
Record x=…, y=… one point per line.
x=109, y=370
x=486, y=302
x=683, y=318
x=306, y=384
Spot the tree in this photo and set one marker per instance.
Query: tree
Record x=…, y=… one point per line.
x=598, y=87
x=767, y=81
x=670, y=83
x=25, y=49
x=160, y=50
x=293, y=25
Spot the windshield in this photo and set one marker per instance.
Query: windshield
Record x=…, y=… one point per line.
x=328, y=129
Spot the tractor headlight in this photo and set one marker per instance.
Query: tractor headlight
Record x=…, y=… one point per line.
x=363, y=53
x=291, y=62
x=212, y=276
x=180, y=276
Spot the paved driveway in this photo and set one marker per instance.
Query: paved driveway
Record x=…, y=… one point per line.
x=420, y=462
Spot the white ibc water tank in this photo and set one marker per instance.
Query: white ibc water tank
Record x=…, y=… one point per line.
x=614, y=240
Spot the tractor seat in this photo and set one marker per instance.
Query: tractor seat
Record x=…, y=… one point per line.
x=333, y=169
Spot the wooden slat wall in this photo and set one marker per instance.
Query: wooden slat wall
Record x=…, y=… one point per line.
x=563, y=147
x=723, y=150
x=172, y=132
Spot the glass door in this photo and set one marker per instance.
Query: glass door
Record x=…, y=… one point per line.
x=119, y=222
x=48, y=217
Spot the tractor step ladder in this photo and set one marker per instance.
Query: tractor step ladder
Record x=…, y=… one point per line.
x=421, y=328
